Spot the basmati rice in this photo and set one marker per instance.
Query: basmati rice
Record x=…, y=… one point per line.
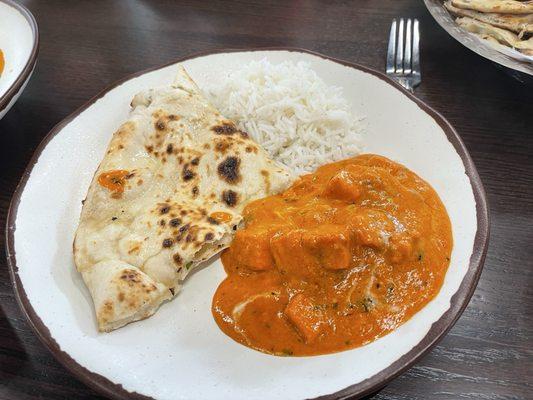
x=298, y=119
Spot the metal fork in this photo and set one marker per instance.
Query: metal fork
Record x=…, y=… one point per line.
x=403, y=54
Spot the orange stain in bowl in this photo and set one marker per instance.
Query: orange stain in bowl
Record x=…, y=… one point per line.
x=2, y=62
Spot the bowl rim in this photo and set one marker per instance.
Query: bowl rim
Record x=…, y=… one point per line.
x=23, y=76
x=458, y=302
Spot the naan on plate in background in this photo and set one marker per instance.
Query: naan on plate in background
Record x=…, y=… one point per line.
x=496, y=6
x=167, y=196
x=502, y=36
x=514, y=22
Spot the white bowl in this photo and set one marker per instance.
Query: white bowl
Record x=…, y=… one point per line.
x=180, y=352
x=19, y=41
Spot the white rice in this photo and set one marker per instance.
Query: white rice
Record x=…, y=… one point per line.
x=298, y=119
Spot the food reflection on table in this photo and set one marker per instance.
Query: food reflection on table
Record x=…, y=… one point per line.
x=342, y=257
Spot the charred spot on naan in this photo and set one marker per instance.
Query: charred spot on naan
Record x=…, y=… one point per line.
x=230, y=198
x=228, y=170
x=134, y=249
x=191, y=235
x=164, y=208
x=182, y=231
x=174, y=222
x=251, y=149
x=187, y=173
x=107, y=311
x=227, y=128
x=130, y=276
x=168, y=242
x=160, y=125
x=190, y=160
x=223, y=145
x=224, y=128
x=177, y=259
x=131, y=279
x=162, y=120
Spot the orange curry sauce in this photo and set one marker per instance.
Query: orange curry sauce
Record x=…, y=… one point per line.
x=2, y=62
x=344, y=256
x=114, y=180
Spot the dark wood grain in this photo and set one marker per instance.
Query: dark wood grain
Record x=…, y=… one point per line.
x=86, y=45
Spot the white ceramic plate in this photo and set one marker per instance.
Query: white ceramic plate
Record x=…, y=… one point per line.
x=19, y=41
x=180, y=352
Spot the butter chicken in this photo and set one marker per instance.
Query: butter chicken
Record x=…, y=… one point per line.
x=344, y=256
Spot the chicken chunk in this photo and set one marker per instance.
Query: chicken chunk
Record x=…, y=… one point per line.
x=343, y=186
x=305, y=317
x=330, y=245
x=303, y=252
x=252, y=247
x=371, y=228
x=290, y=258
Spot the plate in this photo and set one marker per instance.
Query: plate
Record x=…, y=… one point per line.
x=180, y=352
x=477, y=45
x=19, y=41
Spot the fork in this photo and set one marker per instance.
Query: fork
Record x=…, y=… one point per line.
x=403, y=54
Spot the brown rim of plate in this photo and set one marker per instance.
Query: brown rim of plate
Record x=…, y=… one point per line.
x=457, y=304
x=14, y=89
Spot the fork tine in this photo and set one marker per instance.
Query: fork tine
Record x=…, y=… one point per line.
x=399, y=48
x=408, y=43
x=392, y=48
x=416, y=47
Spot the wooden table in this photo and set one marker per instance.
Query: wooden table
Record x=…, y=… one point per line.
x=86, y=45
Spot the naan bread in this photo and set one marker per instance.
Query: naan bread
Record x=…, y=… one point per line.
x=487, y=38
x=513, y=22
x=525, y=46
x=167, y=196
x=496, y=6
x=501, y=35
